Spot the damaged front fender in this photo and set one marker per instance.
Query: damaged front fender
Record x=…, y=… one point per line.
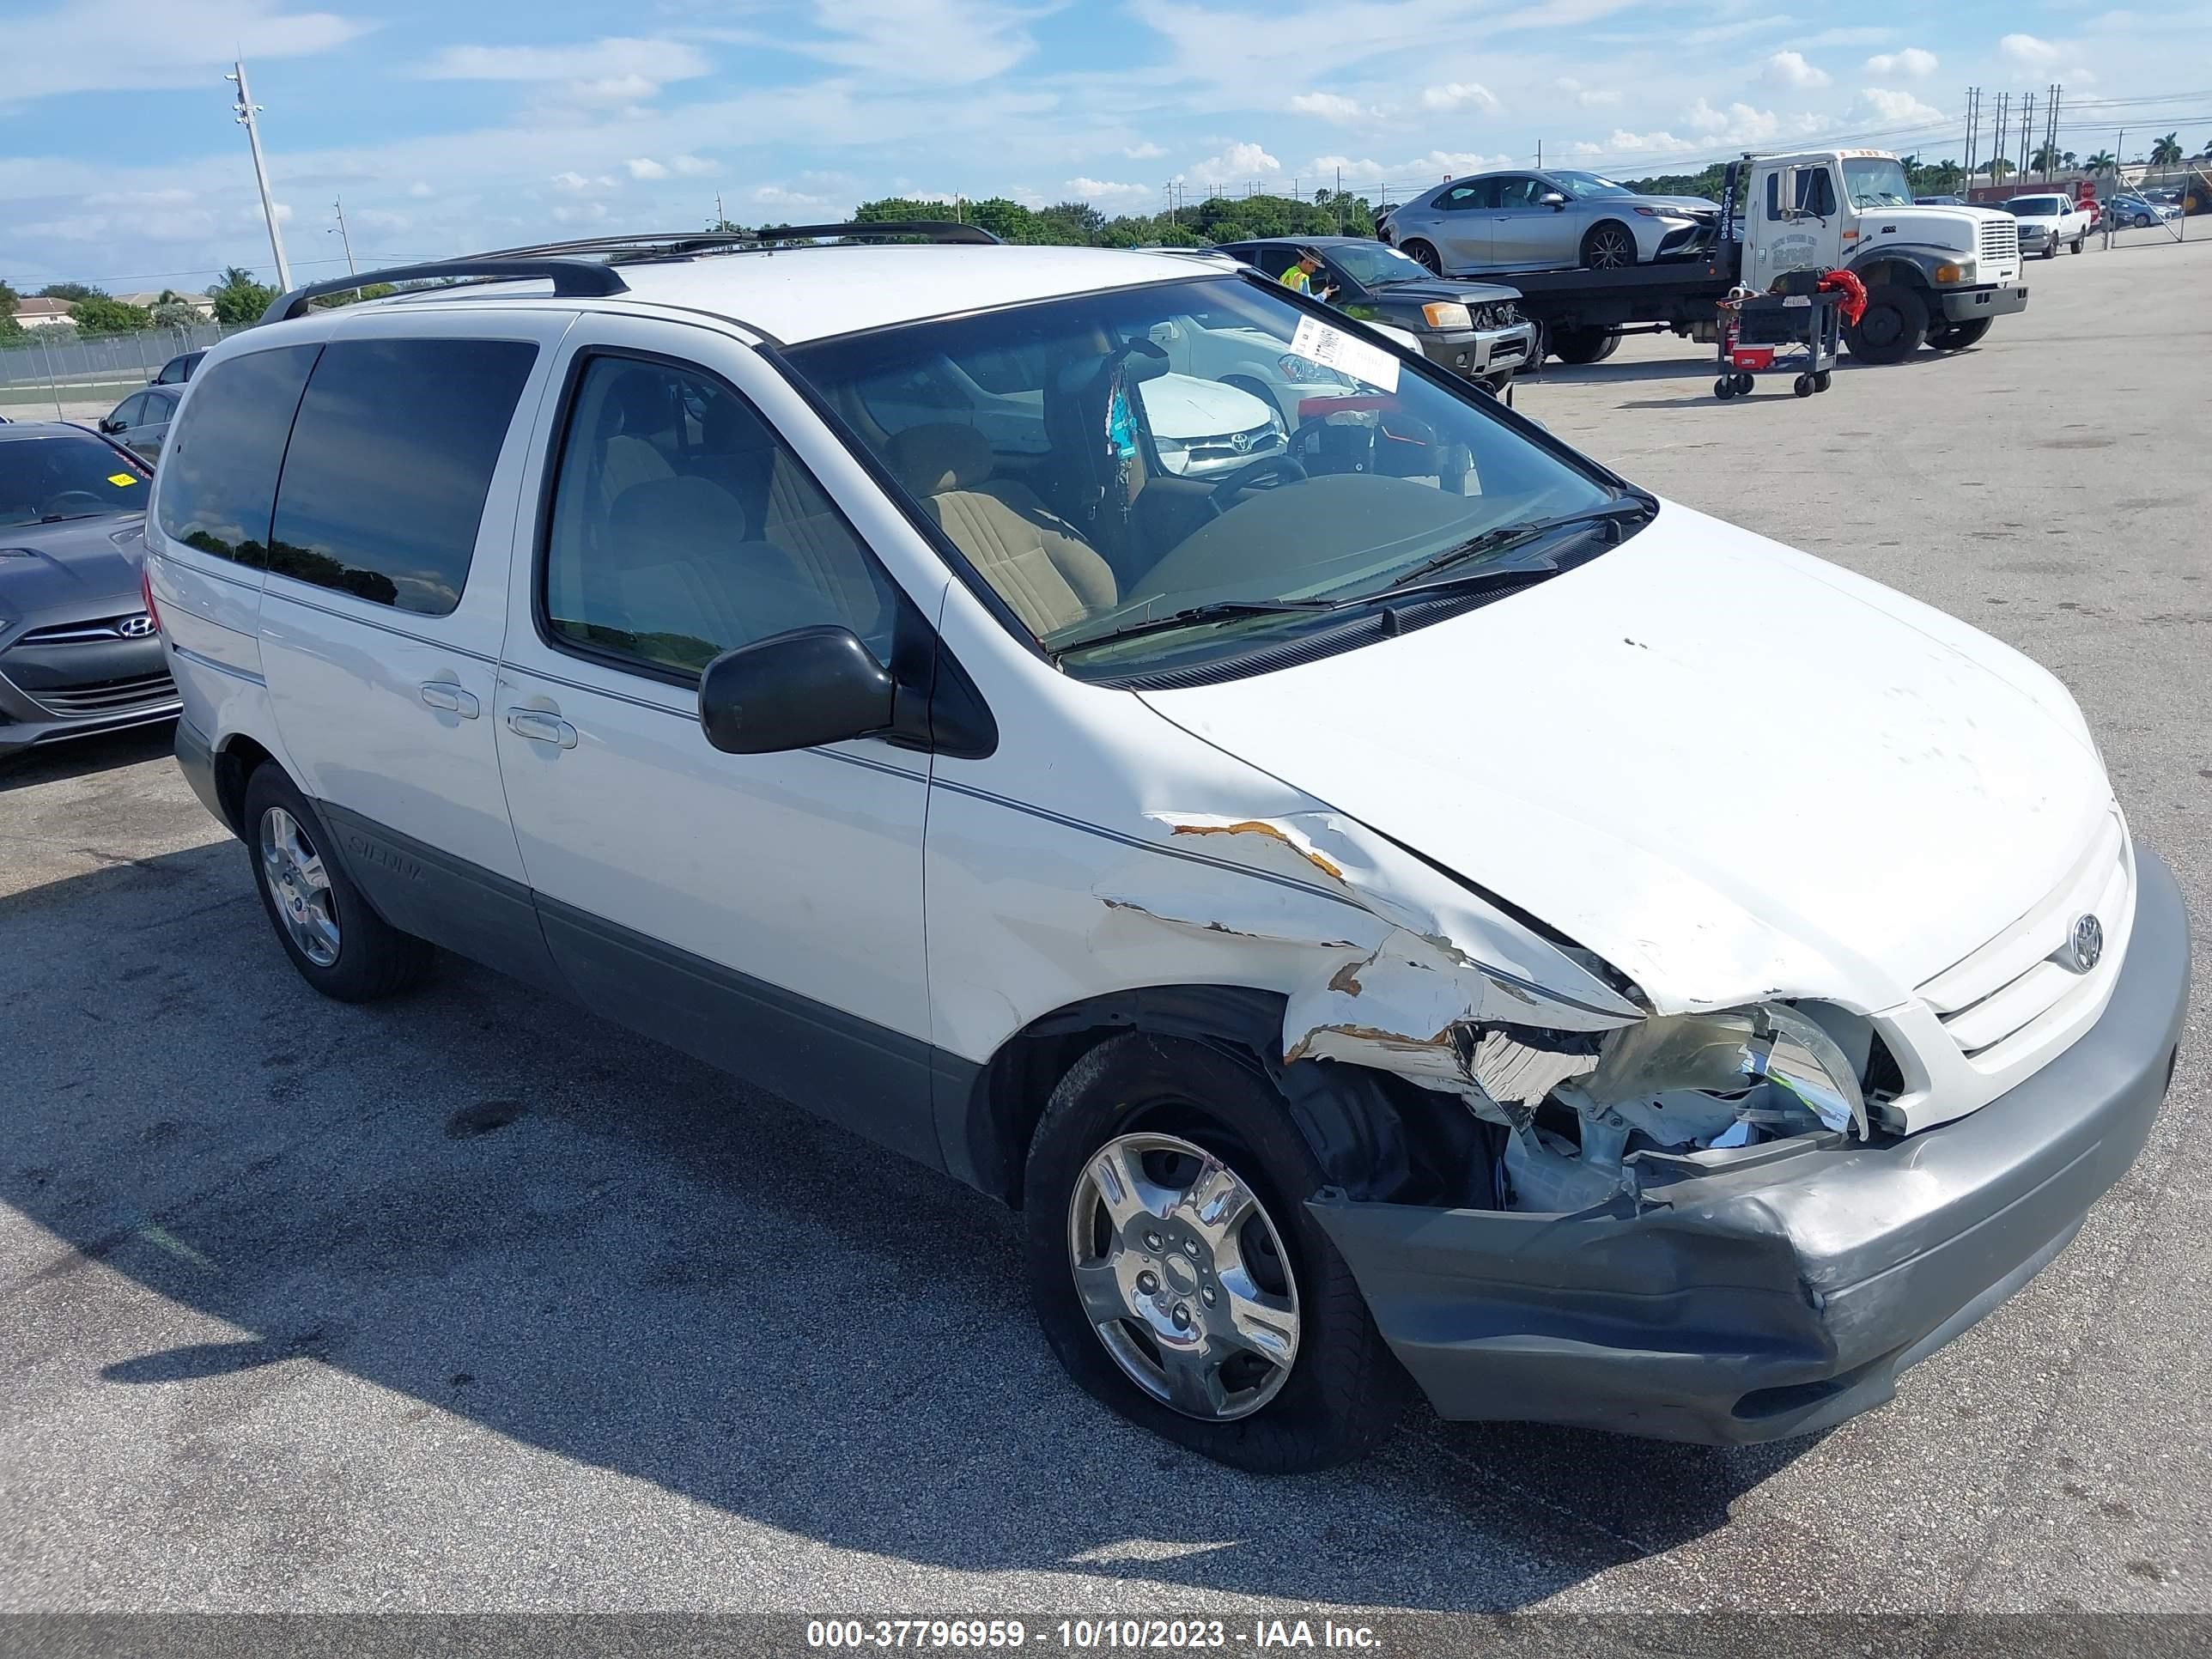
x=1404, y=996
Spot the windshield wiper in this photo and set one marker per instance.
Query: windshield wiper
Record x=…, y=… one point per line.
x=1196, y=616
x=64, y=517
x=1502, y=536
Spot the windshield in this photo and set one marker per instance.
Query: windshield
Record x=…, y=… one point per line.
x=2036, y=207
x=47, y=479
x=1110, y=460
x=1588, y=186
x=1875, y=181
x=1374, y=265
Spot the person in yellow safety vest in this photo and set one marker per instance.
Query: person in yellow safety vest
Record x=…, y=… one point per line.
x=1301, y=277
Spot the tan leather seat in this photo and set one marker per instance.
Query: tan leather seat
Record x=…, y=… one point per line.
x=1045, y=572
x=679, y=573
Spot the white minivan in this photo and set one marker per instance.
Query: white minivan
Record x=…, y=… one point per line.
x=1412, y=910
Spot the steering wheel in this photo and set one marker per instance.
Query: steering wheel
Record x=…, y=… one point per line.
x=68, y=500
x=1285, y=466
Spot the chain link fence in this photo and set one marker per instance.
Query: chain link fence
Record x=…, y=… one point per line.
x=74, y=362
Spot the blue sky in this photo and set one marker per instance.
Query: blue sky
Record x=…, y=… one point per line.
x=451, y=127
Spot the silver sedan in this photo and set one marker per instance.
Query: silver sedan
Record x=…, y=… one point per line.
x=1557, y=219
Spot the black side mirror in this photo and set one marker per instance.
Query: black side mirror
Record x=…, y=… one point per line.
x=794, y=690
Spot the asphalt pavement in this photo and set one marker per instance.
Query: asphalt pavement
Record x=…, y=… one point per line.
x=470, y=1302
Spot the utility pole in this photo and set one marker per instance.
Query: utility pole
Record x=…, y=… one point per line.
x=1539, y=163
x=1974, y=127
x=1997, y=134
x=345, y=241
x=2026, y=130
x=721, y=220
x=2051, y=130
x=247, y=109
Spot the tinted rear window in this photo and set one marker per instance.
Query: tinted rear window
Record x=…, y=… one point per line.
x=391, y=460
x=218, y=477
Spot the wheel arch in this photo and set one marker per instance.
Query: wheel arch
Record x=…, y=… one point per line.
x=1908, y=267
x=236, y=759
x=1373, y=1134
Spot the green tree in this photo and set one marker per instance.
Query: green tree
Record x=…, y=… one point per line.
x=2066, y=159
x=2103, y=162
x=174, y=314
x=1998, y=168
x=2045, y=158
x=72, y=291
x=353, y=295
x=9, y=328
x=239, y=299
x=102, y=315
x=2167, y=152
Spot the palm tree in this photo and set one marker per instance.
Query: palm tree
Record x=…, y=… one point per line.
x=1998, y=168
x=2046, y=157
x=2103, y=162
x=2066, y=160
x=2167, y=151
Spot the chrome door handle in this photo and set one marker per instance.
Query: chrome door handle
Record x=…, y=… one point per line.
x=539, y=726
x=448, y=696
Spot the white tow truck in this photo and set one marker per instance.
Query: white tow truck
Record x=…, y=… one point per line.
x=1936, y=276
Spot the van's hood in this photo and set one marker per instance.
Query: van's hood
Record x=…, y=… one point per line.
x=1730, y=769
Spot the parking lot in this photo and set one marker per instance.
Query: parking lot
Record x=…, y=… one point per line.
x=470, y=1302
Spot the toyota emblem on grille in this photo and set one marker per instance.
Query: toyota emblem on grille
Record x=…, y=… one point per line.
x=2087, y=943
x=135, y=627
x=1240, y=441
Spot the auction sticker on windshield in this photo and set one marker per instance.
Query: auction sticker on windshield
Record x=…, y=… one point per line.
x=1332, y=348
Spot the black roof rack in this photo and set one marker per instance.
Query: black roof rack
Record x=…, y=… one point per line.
x=569, y=276
x=682, y=243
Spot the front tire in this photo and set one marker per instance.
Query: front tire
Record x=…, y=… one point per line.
x=1608, y=247
x=1957, y=337
x=2078, y=240
x=338, y=944
x=1163, y=1172
x=1892, y=327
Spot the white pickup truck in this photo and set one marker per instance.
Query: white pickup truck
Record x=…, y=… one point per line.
x=2049, y=222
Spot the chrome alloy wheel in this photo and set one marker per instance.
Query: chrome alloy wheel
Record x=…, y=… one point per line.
x=1183, y=1275
x=301, y=886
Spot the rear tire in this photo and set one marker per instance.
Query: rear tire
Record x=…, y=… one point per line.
x=1343, y=1391
x=1892, y=327
x=2078, y=240
x=1957, y=337
x=340, y=946
x=1425, y=253
x=1582, y=345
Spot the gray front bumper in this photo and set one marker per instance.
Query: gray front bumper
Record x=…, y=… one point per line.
x=1964, y=305
x=1483, y=351
x=1777, y=1300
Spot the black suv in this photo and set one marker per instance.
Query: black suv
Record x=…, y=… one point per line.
x=1474, y=329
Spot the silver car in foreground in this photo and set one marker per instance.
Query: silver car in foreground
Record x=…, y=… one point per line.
x=1553, y=219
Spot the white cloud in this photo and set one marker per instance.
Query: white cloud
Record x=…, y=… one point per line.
x=1790, y=69
x=1431, y=168
x=690, y=166
x=1899, y=106
x=106, y=45
x=654, y=60
x=777, y=196
x=1238, y=162
x=1458, y=94
x=1739, y=124
x=1713, y=33
x=1852, y=37
x=644, y=167
x=584, y=214
x=2027, y=50
x=1330, y=107
x=1588, y=97
x=1103, y=193
x=1624, y=142
x=575, y=184
x=1147, y=151
x=932, y=42
x=420, y=188
x=1912, y=61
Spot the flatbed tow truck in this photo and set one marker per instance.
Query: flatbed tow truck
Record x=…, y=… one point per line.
x=1935, y=276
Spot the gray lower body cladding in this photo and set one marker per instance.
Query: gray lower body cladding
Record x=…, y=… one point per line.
x=1780, y=1300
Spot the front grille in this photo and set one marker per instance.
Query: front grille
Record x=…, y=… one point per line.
x=1503, y=314
x=111, y=697
x=1993, y=1003
x=138, y=623
x=2000, y=239
x=1258, y=441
